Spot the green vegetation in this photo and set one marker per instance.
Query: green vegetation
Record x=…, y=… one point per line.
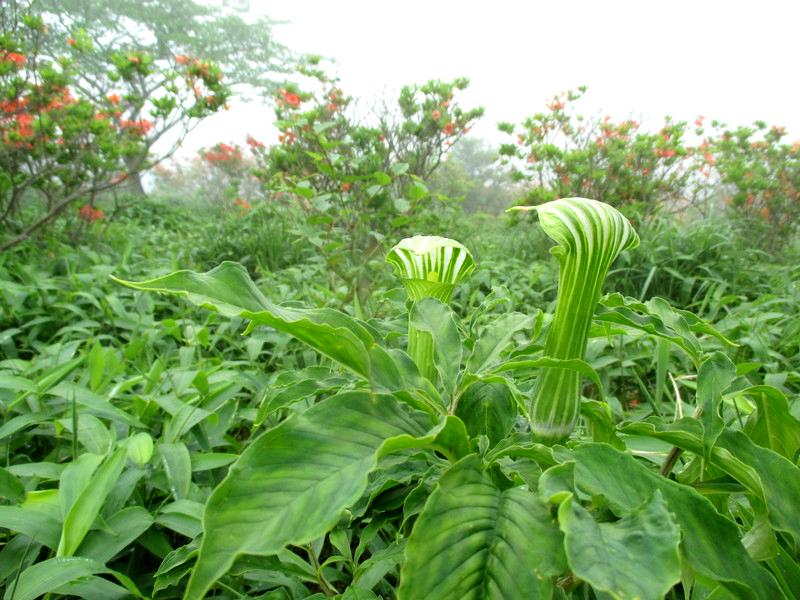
x=330, y=368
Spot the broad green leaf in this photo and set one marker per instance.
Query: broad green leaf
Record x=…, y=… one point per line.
x=714, y=376
x=178, y=467
x=429, y=317
x=292, y=483
x=657, y=318
x=779, y=479
x=449, y=437
x=589, y=237
x=40, y=526
x=772, y=425
x=474, y=541
x=51, y=574
x=229, y=290
x=11, y=488
x=494, y=339
x=635, y=557
x=627, y=484
x=120, y=530
x=87, y=505
x=487, y=408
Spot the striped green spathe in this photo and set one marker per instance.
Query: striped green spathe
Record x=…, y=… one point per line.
x=590, y=235
x=430, y=266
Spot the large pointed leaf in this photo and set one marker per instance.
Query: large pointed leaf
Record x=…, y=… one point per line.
x=429, y=316
x=613, y=557
x=229, y=290
x=714, y=376
x=494, y=339
x=293, y=482
x=627, y=484
x=772, y=425
x=87, y=505
x=487, y=408
x=779, y=479
x=474, y=541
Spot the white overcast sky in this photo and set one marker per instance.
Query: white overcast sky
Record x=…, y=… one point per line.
x=737, y=61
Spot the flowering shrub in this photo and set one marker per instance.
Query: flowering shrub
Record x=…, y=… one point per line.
x=59, y=145
x=759, y=174
x=357, y=178
x=564, y=154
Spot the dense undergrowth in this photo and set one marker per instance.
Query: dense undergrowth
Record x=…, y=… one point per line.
x=171, y=395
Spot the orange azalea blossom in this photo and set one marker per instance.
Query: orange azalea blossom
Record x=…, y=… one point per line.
x=242, y=203
x=448, y=128
x=114, y=99
x=796, y=147
x=699, y=121
x=254, y=143
x=14, y=57
x=435, y=115
x=140, y=127
x=346, y=187
x=182, y=59
x=71, y=42
x=89, y=213
x=290, y=98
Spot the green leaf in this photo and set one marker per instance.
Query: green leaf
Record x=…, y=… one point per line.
x=51, y=574
x=497, y=336
x=772, y=425
x=474, y=541
x=229, y=290
x=292, y=483
x=11, y=488
x=627, y=484
x=779, y=479
x=714, y=376
x=430, y=316
x=87, y=505
x=487, y=408
x=178, y=467
x=40, y=526
x=121, y=529
x=612, y=557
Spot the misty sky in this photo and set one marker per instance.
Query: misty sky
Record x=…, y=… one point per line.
x=736, y=61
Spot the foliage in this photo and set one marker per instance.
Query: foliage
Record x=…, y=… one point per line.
x=760, y=176
x=176, y=44
x=563, y=154
x=356, y=181
x=62, y=147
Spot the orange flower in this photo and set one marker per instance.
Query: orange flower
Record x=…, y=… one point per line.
x=435, y=115
x=114, y=98
x=699, y=121
x=448, y=128
x=254, y=143
x=89, y=213
x=290, y=98
x=346, y=187
x=764, y=212
x=182, y=59
x=71, y=42
x=242, y=203
x=14, y=57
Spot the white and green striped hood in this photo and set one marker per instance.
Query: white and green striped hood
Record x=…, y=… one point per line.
x=430, y=266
